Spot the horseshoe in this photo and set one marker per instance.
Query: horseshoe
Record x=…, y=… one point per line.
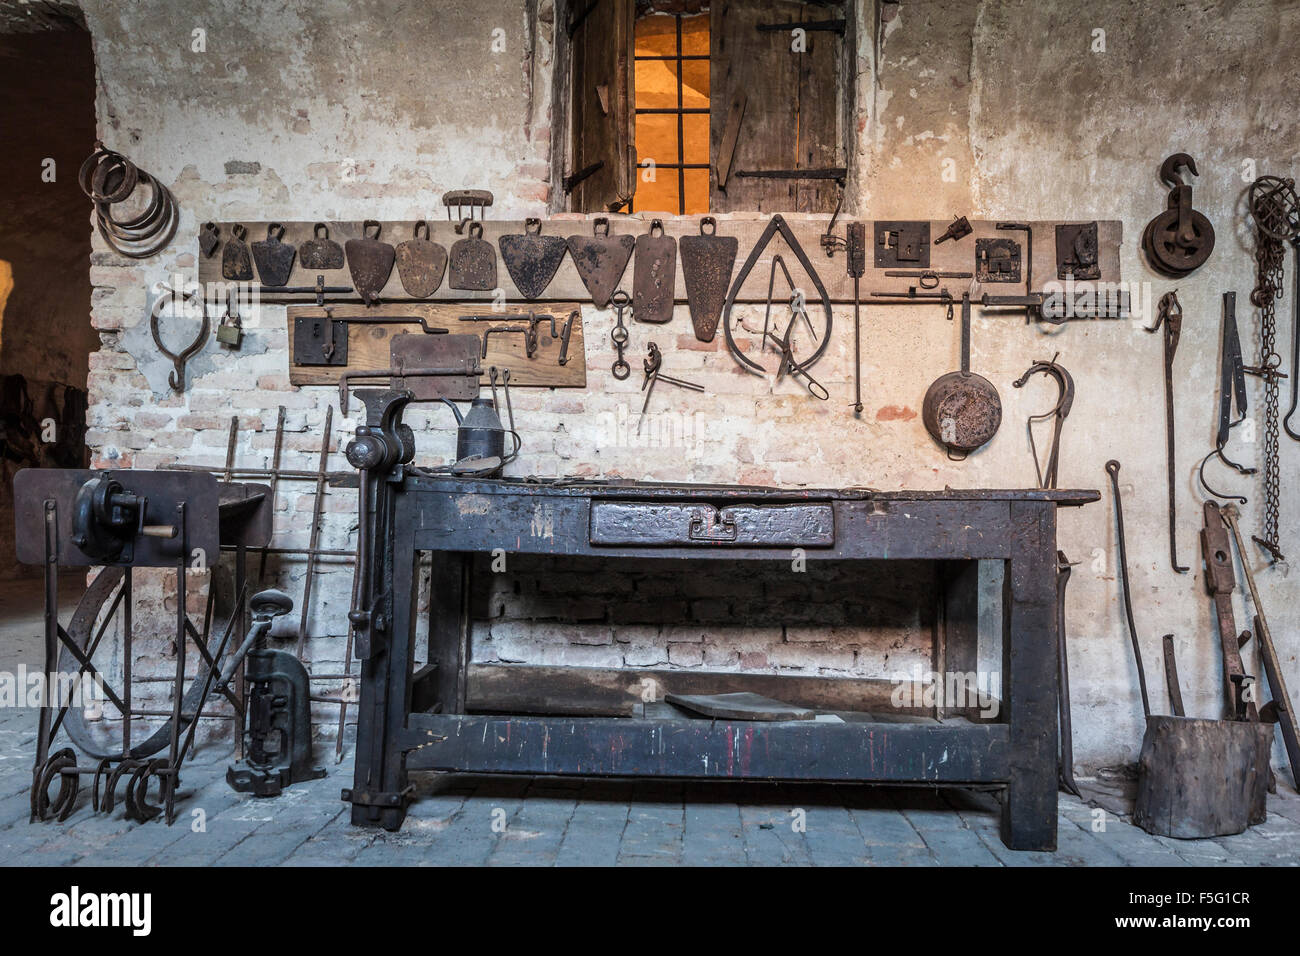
x=69, y=783
x=176, y=378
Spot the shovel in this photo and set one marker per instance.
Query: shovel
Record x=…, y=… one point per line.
x=274, y=258
x=654, y=275
x=707, y=261
x=420, y=263
x=473, y=262
x=600, y=260
x=532, y=259
x=370, y=262
x=236, y=265
x=320, y=251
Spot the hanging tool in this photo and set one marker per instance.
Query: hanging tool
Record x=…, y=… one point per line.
x=370, y=262
x=274, y=258
x=1295, y=342
x=653, y=364
x=929, y=277
x=473, y=261
x=420, y=262
x=108, y=178
x=1179, y=240
x=458, y=199
x=775, y=225
x=962, y=410
x=176, y=378
x=1232, y=387
x=957, y=230
x=1063, y=672
x=209, y=239
x=1279, y=709
x=532, y=259
x=621, y=301
x=600, y=260
x=654, y=275
x=236, y=263
x=797, y=307
x=707, y=263
x=1220, y=581
x=1059, y=412
x=1112, y=469
x=856, y=255
x=788, y=364
x=1169, y=315
x=1171, y=677
x=320, y=251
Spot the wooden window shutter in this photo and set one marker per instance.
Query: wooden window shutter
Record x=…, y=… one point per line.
x=602, y=165
x=773, y=109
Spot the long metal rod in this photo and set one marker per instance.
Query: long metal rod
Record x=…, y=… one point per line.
x=174, y=743
x=275, y=481
x=317, y=509
x=1112, y=469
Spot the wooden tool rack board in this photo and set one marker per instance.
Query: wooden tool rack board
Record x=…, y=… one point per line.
x=954, y=256
x=369, y=342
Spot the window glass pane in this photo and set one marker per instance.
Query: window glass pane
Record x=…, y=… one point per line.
x=656, y=36
x=656, y=84
x=697, y=191
x=695, y=126
x=695, y=84
x=656, y=137
x=695, y=35
x=660, y=195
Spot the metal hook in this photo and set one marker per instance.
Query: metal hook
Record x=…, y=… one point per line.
x=1169, y=169
x=176, y=378
x=1065, y=384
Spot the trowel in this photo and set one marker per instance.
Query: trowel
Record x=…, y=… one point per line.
x=532, y=259
x=320, y=251
x=473, y=262
x=236, y=264
x=421, y=263
x=654, y=275
x=707, y=261
x=274, y=258
x=370, y=262
x=600, y=260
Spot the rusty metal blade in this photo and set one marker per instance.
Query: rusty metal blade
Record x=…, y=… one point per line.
x=274, y=258
x=473, y=262
x=370, y=262
x=320, y=252
x=707, y=263
x=601, y=260
x=236, y=264
x=421, y=263
x=532, y=259
x=654, y=275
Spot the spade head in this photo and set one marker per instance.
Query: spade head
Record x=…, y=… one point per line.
x=420, y=263
x=274, y=258
x=473, y=262
x=236, y=265
x=532, y=259
x=707, y=261
x=370, y=262
x=600, y=260
x=320, y=251
x=654, y=275
x=209, y=239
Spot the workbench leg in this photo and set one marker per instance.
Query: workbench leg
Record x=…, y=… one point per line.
x=379, y=784
x=1029, y=678
x=449, y=590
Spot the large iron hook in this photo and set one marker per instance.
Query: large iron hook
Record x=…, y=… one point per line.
x=1169, y=169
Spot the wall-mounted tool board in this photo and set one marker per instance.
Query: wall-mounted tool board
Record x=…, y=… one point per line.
x=567, y=287
x=369, y=342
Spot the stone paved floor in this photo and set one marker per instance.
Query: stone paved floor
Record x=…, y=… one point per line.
x=548, y=821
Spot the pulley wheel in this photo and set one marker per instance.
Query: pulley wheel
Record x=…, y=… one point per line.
x=1171, y=254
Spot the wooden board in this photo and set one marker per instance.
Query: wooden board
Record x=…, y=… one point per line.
x=567, y=287
x=369, y=342
x=740, y=706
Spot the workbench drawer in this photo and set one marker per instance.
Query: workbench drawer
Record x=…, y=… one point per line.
x=649, y=523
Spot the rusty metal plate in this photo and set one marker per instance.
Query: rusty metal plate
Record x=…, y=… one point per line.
x=245, y=513
x=236, y=263
x=421, y=263
x=473, y=262
x=962, y=411
x=274, y=257
x=415, y=350
x=370, y=262
x=997, y=260
x=668, y=524
x=654, y=275
x=601, y=260
x=164, y=490
x=320, y=251
x=532, y=259
x=707, y=262
x=902, y=245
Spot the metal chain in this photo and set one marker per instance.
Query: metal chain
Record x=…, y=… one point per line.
x=1269, y=257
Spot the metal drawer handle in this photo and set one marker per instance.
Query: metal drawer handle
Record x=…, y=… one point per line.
x=723, y=530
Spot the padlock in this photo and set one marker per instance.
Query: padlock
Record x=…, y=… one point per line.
x=229, y=331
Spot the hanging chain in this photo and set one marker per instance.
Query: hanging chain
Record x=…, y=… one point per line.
x=1269, y=257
